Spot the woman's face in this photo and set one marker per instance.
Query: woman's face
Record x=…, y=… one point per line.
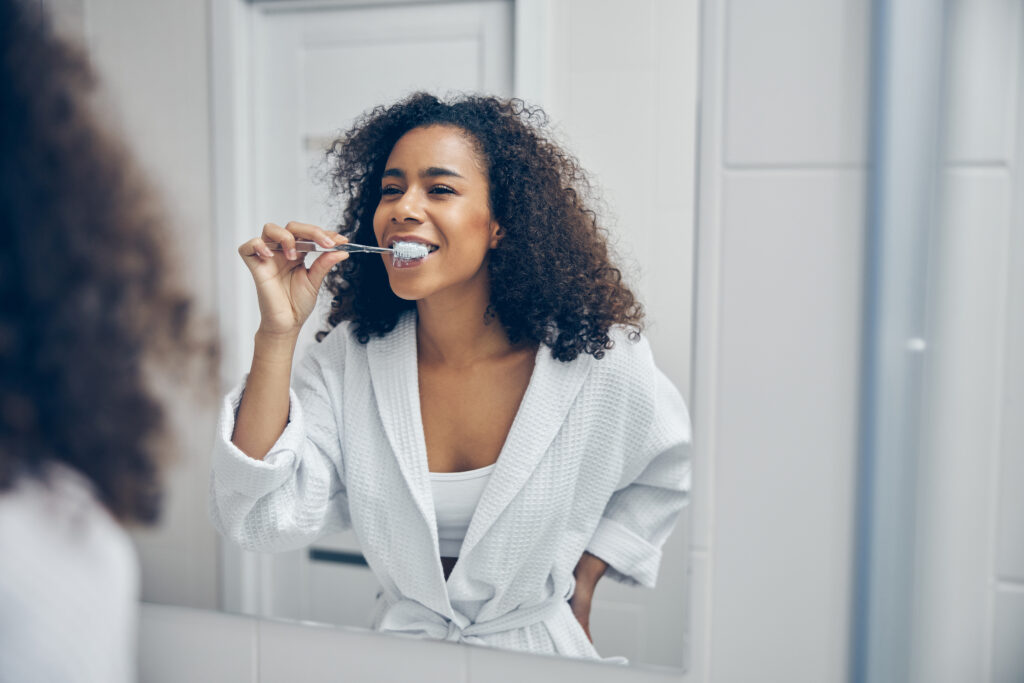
x=435, y=190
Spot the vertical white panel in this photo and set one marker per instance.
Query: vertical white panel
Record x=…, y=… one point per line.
x=786, y=427
x=983, y=70
x=796, y=78
x=1010, y=541
x=1007, y=662
x=961, y=419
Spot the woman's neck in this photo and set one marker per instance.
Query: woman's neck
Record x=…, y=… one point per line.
x=458, y=333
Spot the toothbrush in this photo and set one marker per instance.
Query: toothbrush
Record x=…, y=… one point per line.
x=405, y=251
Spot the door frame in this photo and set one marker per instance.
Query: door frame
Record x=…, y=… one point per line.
x=244, y=577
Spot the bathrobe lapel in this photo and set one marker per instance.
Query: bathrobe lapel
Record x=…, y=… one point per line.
x=552, y=390
x=393, y=369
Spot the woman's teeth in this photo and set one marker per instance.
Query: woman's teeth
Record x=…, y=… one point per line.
x=409, y=253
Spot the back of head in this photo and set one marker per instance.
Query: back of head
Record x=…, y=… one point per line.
x=87, y=298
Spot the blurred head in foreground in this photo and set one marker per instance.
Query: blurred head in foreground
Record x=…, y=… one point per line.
x=88, y=304
x=89, y=314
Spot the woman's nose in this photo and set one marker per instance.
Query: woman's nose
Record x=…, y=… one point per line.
x=408, y=208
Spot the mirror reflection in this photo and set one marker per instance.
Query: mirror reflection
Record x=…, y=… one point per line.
x=522, y=450
x=312, y=96
x=229, y=107
x=484, y=413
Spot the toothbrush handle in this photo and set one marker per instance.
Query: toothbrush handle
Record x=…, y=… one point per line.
x=304, y=246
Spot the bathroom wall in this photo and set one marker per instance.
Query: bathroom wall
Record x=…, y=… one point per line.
x=969, y=616
x=779, y=289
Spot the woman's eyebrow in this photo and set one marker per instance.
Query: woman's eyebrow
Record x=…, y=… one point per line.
x=432, y=172
x=435, y=171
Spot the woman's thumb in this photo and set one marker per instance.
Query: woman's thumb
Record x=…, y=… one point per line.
x=322, y=265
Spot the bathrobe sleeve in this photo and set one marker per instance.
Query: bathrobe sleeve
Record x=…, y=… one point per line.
x=653, y=490
x=297, y=492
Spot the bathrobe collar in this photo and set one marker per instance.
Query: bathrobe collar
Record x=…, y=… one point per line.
x=552, y=390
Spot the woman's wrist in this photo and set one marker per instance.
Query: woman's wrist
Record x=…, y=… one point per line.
x=275, y=345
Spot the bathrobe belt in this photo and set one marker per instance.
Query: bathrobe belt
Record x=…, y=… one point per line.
x=413, y=618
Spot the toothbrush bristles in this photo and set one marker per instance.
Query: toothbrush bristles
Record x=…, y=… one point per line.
x=409, y=251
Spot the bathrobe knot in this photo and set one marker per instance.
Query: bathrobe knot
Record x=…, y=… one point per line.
x=414, y=618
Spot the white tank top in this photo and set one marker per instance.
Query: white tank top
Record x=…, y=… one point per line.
x=456, y=495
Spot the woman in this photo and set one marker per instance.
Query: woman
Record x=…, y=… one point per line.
x=88, y=310
x=486, y=418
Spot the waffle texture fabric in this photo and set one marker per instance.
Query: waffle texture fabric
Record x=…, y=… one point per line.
x=597, y=459
x=69, y=584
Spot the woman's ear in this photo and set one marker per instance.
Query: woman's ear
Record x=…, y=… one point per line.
x=497, y=234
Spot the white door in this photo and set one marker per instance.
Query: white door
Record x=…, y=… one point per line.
x=314, y=71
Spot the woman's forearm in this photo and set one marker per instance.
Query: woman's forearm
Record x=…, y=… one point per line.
x=263, y=411
x=589, y=570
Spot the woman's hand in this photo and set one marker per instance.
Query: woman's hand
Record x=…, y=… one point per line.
x=588, y=571
x=286, y=289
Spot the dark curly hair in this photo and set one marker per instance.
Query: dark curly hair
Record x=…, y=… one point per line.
x=552, y=281
x=88, y=308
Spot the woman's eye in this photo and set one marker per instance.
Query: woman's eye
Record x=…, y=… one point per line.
x=390, y=189
x=442, y=189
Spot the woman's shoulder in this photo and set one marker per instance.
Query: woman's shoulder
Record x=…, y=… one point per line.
x=630, y=352
x=627, y=368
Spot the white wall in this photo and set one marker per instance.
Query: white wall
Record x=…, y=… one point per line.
x=969, y=617
x=779, y=281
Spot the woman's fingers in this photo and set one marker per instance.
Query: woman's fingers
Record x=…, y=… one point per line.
x=255, y=250
x=318, y=271
x=311, y=232
x=283, y=241
x=284, y=237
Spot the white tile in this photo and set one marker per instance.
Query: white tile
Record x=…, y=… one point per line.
x=1007, y=662
x=1010, y=540
x=181, y=644
x=1010, y=543
x=960, y=426
x=293, y=651
x=487, y=665
x=796, y=82
x=787, y=425
x=984, y=57
x=608, y=34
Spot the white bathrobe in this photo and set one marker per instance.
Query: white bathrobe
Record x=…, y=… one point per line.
x=597, y=459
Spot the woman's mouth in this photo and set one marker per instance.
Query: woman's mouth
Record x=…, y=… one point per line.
x=410, y=252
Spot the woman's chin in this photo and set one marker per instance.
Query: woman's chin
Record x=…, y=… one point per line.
x=407, y=291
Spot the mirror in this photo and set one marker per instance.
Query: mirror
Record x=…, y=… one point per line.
x=282, y=78
x=784, y=212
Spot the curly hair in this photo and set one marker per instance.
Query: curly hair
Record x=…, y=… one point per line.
x=552, y=280
x=88, y=308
